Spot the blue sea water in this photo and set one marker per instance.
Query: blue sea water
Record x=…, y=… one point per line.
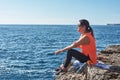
x=27, y=51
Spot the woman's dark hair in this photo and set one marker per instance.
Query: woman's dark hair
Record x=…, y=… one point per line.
x=84, y=22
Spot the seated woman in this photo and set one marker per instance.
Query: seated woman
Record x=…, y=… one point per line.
x=86, y=43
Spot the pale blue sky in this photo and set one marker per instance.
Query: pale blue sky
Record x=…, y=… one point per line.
x=59, y=11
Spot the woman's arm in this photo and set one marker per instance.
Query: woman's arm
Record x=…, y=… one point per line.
x=82, y=41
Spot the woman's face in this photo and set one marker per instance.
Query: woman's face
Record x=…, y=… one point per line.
x=81, y=29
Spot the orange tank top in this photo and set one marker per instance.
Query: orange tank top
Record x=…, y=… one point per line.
x=90, y=49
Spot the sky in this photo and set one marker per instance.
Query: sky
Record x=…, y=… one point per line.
x=97, y=12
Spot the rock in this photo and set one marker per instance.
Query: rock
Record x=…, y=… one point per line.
x=112, y=49
x=111, y=56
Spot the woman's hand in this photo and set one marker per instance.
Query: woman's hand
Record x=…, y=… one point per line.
x=58, y=51
x=64, y=49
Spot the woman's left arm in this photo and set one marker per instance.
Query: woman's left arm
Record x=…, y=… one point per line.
x=66, y=48
x=82, y=41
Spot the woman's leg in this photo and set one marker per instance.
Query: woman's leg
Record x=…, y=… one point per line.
x=76, y=54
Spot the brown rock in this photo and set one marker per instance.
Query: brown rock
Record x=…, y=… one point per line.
x=111, y=55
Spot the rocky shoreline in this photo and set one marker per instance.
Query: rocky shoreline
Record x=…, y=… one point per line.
x=110, y=56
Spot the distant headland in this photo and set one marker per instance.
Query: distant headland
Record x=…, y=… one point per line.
x=113, y=24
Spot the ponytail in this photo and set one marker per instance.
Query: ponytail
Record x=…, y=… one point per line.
x=90, y=30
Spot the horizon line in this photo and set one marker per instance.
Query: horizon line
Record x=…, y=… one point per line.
x=46, y=24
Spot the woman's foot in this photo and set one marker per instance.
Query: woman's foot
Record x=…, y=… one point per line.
x=60, y=69
x=63, y=68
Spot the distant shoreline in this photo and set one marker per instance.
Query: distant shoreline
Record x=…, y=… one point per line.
x=113, y=24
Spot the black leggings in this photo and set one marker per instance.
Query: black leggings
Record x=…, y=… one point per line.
x=77, y=55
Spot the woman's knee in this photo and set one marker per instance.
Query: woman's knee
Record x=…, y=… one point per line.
x=70, y=51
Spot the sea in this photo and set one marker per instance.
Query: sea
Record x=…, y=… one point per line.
x=27, y=51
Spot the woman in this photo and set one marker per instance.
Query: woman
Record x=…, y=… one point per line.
x=87, y=44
